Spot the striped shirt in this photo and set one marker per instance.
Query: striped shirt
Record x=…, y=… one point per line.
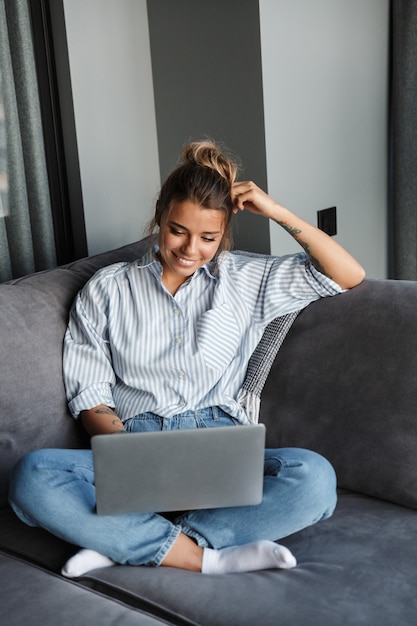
x=133, y=346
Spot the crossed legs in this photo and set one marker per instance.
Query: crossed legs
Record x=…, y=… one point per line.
x=54, y=489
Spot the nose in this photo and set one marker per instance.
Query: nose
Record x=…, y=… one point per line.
x=190, y=246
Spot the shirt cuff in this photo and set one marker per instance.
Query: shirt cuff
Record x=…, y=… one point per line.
x=91, y=397
x=322, y=284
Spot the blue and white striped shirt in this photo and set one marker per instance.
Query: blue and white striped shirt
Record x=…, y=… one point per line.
x=133, y=346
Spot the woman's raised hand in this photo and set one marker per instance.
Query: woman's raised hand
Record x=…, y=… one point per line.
x=248, y=196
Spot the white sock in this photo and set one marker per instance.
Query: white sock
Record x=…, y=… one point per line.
x=84, y=561
x=247, y=558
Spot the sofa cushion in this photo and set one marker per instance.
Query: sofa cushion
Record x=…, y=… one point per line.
x=344, y=384
x=34, y=313
x=358, y=567
x=32, y=596
x=35, y=545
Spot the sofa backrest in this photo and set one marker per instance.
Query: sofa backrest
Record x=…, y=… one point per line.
x=345, y=384
x=33, y=318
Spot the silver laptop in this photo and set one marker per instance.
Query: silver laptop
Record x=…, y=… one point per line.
x=179, y=470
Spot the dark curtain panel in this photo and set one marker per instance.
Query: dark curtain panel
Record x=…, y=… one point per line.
x=26, y=229
x=403, y=132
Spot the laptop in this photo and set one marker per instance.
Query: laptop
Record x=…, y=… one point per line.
x=179, y=470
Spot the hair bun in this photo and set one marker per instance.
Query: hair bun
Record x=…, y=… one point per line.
x=208, y=154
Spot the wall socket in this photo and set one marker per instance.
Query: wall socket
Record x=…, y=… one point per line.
x=326, y=220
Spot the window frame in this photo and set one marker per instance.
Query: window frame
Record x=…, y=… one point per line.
x=59, y=130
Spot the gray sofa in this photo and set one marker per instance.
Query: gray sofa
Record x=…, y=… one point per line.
x=344, y=383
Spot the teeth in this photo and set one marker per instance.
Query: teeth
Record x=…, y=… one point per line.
x=185, y=261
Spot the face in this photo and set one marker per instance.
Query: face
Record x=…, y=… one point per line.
x=189, y=240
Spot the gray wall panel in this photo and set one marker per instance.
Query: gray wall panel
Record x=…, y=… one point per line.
x=207, y=75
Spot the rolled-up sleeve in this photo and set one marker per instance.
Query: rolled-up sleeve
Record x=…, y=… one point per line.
x=292, y=283
x=88, y=372
x=321, y=284
x=275, y=286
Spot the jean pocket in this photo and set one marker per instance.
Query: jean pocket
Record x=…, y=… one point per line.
x=147, y=422
x=216, y=423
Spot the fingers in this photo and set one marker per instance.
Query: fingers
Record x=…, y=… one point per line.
x=242, y=192
x=247, y=195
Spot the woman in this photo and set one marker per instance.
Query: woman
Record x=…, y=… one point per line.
x=163, y=343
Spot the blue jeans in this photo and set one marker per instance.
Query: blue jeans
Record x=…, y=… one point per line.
x=54, y=489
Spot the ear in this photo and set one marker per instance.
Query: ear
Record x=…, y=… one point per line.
x=226, y=242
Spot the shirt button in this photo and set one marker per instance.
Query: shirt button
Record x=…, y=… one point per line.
x=176, y=312
x=181, y=374
x=178, y=341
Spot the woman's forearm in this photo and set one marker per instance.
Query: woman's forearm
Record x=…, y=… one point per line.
x=325, y=253
x=101, y=420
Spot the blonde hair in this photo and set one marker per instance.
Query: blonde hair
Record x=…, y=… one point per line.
x=204, y=176
x=209, y=154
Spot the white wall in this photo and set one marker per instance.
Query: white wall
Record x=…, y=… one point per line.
x=325, y=89
x=111, y=75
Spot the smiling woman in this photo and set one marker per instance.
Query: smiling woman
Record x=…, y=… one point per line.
x=193, y=212
x=169, y=336
x=204, y=178
x=189, y=240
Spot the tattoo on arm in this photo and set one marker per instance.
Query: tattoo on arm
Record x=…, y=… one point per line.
x=108, y=411
x=116, y=422
x=315, y=262
x=105, y=411
x=290, y=229
x=296, y=231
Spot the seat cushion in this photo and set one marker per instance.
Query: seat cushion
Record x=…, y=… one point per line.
x=358, y=567
x=35, y=545
x=31, y=596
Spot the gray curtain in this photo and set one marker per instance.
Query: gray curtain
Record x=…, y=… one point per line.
x=403, y=127
x=26, y=228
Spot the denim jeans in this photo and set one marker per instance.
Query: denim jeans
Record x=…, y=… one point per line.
x=54, y=489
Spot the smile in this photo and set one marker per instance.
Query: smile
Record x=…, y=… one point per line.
x=182, y=261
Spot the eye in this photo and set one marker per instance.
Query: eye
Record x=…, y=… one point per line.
x=174, y=231
x=208, y=239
